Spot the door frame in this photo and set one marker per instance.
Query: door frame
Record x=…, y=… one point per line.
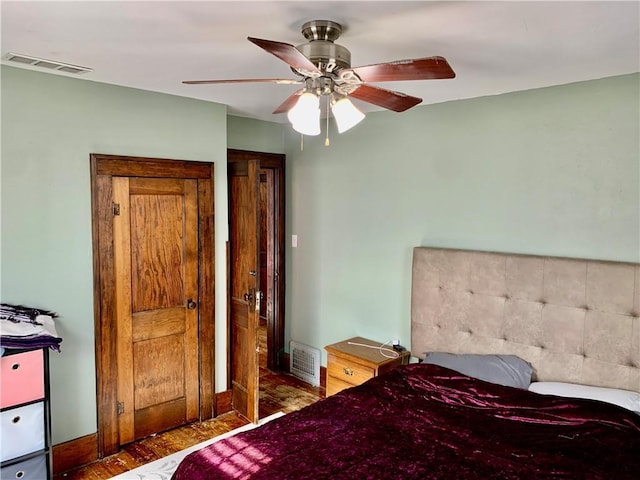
x=275, y=334
x=103, y=168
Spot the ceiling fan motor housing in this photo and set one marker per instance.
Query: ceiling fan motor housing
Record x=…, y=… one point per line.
x=320, y=49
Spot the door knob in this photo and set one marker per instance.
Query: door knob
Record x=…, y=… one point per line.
x=191, y=304
x=248, y=297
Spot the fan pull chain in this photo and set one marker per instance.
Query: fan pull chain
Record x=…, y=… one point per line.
x=326, y=139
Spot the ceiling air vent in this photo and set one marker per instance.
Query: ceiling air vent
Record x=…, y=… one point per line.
x=48, y=64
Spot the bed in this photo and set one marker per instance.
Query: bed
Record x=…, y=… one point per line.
x=524, y=324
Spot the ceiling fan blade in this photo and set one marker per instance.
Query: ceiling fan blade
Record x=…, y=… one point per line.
x=281, y=81
x=430, y=68
x=396, y=101
x=289, y=54
x=289, y=102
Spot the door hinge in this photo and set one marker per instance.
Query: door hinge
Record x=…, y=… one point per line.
x=120, y=407
x=116, y=209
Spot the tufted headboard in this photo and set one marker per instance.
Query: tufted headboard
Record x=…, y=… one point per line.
x=574, y=320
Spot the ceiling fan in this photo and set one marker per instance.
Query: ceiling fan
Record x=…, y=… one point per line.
x=324, y=68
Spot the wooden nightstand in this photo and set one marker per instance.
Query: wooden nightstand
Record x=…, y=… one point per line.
x=349, y=365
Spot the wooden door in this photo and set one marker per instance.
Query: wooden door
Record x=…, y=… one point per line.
x=156, y=283
x=245, y=295
x=153, y=258
x=271, y=245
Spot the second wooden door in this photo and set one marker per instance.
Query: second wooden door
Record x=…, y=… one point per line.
x=245, y=288
x=256, y=264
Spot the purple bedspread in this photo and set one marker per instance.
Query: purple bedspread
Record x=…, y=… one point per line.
x=428, y=422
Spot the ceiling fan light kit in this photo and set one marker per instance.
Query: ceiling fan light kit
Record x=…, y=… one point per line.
x=305, y=114
x=324, y=69
x=345, y=113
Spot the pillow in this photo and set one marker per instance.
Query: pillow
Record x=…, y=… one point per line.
x=623, y=398
x=508, y=370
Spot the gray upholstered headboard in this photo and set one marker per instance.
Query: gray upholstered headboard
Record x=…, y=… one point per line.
x=574, y=320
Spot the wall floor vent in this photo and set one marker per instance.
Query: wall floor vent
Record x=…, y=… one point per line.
x=305, y=363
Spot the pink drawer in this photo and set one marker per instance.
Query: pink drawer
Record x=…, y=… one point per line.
x=22, y=378
x=21, y=431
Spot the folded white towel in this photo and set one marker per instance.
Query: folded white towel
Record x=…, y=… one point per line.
x=41, y=325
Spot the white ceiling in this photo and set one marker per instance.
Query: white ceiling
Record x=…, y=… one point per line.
x=494, y=47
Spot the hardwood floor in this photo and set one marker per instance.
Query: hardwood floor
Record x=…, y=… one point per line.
x=278, y=392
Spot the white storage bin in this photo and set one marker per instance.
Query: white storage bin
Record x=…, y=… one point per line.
x=21, y=431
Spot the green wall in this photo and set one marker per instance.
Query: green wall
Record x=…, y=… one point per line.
x=50, y=125
x=553, y=171
x=255, y=135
